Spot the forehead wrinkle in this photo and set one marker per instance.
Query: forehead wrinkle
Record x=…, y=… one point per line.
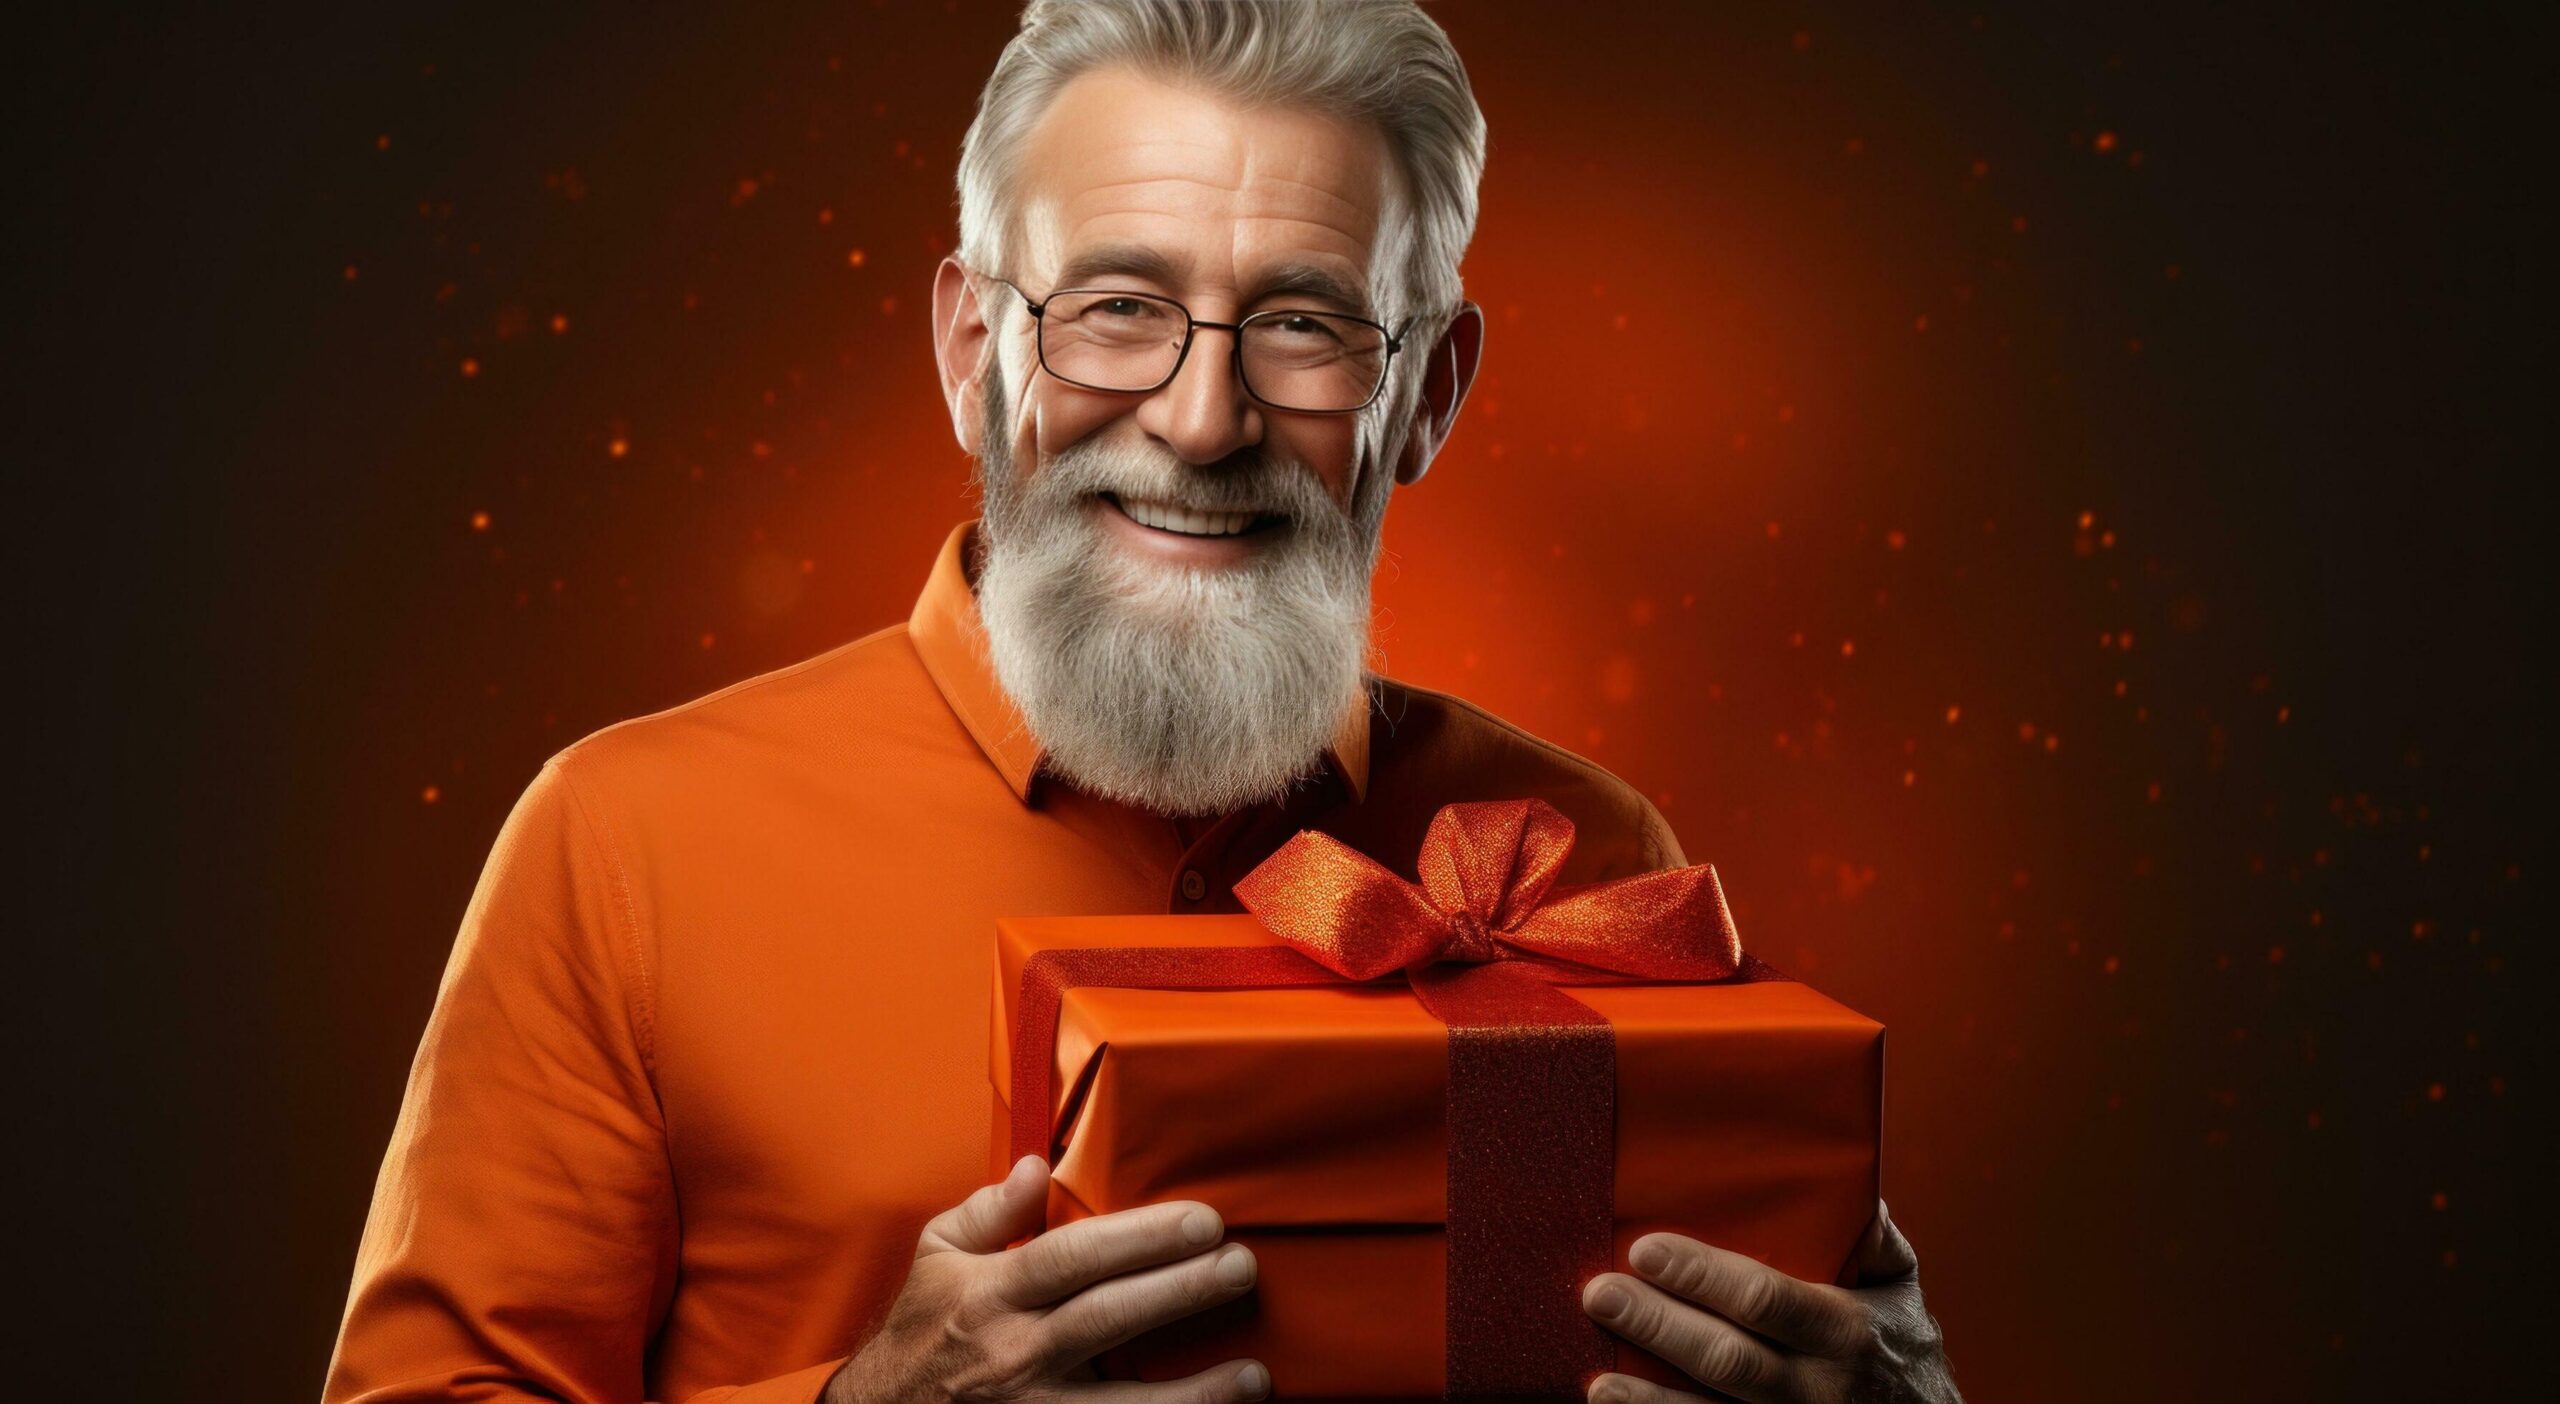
x=1256, y=242
x=1249, y=200
x=1231, y=159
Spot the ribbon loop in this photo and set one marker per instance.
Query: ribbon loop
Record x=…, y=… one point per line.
x=1494, y=858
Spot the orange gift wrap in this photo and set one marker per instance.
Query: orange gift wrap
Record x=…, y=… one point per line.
x=1315, y=1112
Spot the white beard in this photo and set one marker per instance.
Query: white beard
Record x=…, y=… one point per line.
x=1172, y=688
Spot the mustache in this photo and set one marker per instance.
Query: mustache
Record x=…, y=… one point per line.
x=1252, y=480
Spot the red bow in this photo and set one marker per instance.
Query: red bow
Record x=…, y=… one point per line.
x=1488, y=893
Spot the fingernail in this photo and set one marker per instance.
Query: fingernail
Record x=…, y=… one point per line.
x=1253, y=1381
x=1609, y=1389
x=1016, y=1172
x=1235, y=1267
x=1200, y=1226
x=1650, y=1257
x=1610, y=1302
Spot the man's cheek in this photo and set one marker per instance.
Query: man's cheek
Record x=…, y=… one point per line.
x=1057, y=417
x=1332, y=450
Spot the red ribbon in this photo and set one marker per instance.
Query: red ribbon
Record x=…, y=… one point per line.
x=1484, y=939
x=1488, y=893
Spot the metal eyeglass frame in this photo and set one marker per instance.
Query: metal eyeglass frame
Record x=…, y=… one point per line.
x=1191, y=328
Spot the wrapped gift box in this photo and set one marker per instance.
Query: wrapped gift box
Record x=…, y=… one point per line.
x=1313, y=1118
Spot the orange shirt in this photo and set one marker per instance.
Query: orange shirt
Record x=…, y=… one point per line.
x=711, y=1044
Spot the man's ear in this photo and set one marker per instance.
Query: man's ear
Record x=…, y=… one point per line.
x=962, y=345
x=1445, y=381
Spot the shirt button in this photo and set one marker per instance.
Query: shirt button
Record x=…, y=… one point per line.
x=1194, y=886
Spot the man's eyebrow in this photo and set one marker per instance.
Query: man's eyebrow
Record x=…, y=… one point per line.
x=1306, y=280
x=1128, y=260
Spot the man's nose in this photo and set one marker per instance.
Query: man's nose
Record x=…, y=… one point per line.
x=1203, y=413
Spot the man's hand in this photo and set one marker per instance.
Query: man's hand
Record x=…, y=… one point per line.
x=1757, y=1334
x=979, y=1321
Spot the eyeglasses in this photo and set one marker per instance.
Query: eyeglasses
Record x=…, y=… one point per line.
x=1130, y=343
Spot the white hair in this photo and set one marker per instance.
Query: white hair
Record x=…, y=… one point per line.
x=1378, y=61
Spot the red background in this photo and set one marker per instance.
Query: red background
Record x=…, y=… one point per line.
x=2034, y=501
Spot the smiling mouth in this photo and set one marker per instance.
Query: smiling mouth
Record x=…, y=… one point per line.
x=1184, y=521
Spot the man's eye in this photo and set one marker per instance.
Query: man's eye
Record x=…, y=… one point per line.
x=1127, y=307
x=1303, y=327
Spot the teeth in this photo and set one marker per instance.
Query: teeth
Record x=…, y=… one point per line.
x=1164, y=516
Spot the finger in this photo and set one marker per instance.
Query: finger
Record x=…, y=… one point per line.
x=1713, y=1351
x=1819, y=1318
x=1236, y=1382
x=1109, y=1312
x=1074, y=1256
x=992, y=1216
x=1627, y=1389
x=1884, y=1255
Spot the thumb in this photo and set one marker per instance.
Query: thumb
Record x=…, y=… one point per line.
x=1884, y=1255
x=994, y=1215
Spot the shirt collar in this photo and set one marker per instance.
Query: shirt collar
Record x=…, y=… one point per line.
x=952, y=640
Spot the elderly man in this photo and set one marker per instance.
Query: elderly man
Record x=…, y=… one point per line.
x=701, y=1106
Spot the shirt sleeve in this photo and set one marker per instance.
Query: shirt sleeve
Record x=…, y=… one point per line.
x=1660, y=846
x=522, y=1238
